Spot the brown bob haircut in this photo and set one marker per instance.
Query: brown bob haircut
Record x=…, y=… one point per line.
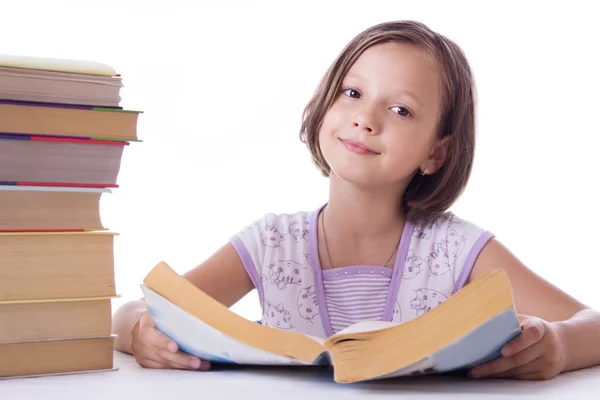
x=427, y=197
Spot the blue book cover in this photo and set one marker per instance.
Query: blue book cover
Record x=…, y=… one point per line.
x=195, y=337
x=481, y=345
x=482, y=329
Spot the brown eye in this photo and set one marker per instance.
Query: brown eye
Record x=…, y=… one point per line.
x=352, y=93
x=402, y=111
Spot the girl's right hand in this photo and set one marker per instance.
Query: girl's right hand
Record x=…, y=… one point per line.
x=152, y=349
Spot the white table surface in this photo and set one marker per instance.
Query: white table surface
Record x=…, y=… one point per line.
x=134, y=382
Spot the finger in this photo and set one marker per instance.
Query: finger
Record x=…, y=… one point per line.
x=535, y=376
x=164, y=364
x=148, y=363
x=166, y=359
x=525, y=369
x=523, y=318
x=533, y=332
x=188, y=365
x=153, y=335
x=145, y=320
x=145, y=351
x=503, y=364
x=148, y=352
x=184, y=361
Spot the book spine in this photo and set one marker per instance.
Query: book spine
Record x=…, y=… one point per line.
x=54, y=105
x=61, y=139
x=59, y=184
x=71, y=106
x=74, y=139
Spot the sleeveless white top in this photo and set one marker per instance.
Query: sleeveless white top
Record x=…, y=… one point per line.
x=280, y=254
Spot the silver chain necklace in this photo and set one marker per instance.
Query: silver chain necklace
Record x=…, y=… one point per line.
x=329, y=253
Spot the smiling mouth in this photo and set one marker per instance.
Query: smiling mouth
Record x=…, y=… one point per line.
x=357, y=147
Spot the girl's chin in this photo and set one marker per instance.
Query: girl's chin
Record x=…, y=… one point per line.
x=355, y=176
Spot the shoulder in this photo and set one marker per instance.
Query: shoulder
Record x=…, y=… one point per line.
x=447, y=224
x=449, y=245
x=271, y=229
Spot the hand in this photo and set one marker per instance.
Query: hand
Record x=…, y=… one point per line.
x=152, y=349
x=537, y=354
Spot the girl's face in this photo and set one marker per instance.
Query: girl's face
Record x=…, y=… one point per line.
x=381, y=128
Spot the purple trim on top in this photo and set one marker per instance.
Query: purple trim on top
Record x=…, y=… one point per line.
x=250, y=268
x=470, y=261
x=388, y=311
x=336, y=273
x=317, y=275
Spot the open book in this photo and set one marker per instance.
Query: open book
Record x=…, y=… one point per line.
x=467, y=329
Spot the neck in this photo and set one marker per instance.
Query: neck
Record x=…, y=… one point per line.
x=359, y=213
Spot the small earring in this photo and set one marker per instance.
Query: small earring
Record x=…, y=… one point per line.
x=425, y=171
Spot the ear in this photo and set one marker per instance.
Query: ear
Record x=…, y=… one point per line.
x=437, y=156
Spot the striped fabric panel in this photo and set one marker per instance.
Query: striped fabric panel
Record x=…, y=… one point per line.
x=355, y=297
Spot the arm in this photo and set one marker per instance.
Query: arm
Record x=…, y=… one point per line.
x=222, y=276
x=123, y=321
x=565, y=326
x=581, y=336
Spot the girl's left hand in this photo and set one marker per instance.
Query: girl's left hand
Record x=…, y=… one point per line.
x=537, y=353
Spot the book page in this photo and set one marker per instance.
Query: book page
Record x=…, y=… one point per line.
x=367, y=326
x=15, y=188
x=201, y=340
x=56, y=64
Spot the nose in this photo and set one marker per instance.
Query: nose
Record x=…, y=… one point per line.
x=366, y=120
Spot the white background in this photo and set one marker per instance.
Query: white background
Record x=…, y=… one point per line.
x=223, y=84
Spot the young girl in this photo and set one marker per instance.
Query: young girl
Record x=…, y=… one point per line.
x=392, y=124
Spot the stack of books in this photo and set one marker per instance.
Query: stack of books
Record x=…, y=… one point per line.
x=62, y=136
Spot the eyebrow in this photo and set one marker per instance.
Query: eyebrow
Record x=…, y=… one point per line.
x=351, y=75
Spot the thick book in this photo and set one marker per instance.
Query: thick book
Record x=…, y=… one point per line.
x=50, y=208
x=60, y=356
x=56, y=265
x=33, y=85
x=51, y=319
x=24, y=158
x=468, y=329
x=62, y=120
